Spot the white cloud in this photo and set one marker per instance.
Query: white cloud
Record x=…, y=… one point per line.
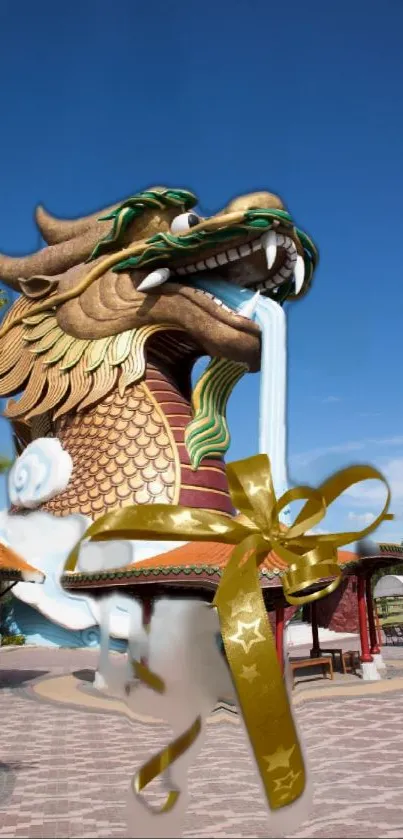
x=373, y=492
x=361, y=518
x=331, y=399
x=366, y=499
x=384, y=534
x=318, y=531
x=305, y=458
x=397, y=440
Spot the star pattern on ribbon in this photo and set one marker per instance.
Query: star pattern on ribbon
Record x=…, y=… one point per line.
x=242, y=603
x=280, y=759
x=287, y=782
x=249, y=673
x=248, y=642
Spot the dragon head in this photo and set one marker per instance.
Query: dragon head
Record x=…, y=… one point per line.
x=153, y=260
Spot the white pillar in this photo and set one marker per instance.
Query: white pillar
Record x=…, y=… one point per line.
x=378, y=659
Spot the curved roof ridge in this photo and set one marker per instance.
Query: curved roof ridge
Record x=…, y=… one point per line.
x=216, y=554
x=14, y=567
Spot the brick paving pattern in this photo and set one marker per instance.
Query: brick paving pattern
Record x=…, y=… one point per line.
x=64, y=772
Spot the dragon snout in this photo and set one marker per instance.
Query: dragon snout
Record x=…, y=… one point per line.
x=255, y=201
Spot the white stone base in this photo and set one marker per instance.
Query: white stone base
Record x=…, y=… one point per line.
x=379, y=661
x=99, y=681
x=369, y=671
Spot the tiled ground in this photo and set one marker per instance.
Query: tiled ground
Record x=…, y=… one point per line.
x=64, y=772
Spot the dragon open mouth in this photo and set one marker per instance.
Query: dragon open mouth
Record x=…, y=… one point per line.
x=255, y=248
x=207, y=276
x=234, y=280
x=291, y=266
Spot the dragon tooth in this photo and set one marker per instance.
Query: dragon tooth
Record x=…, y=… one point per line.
x=247, y=310
x=299, y=274
x=269, y=242
x=156, y=278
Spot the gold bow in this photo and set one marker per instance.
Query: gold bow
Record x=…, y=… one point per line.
x=249, y=645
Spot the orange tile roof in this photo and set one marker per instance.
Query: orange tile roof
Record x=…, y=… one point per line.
x=13, y=567
x=216, y=555
x=345, y=557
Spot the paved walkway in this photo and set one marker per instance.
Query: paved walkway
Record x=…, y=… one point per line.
x=64, y=770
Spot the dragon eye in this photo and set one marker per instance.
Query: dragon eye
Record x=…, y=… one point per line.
x=184, y=222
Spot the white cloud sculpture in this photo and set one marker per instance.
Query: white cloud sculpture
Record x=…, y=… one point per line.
x=42, y=471
x=45, y=541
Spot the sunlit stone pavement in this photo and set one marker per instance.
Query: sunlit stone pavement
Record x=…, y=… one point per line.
x=64, y=770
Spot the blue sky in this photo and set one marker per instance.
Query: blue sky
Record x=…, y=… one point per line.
x=224, y=98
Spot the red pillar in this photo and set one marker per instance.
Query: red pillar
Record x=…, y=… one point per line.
x=362, y=619
x=371, y=618
x=315, y=651
x=280, y=636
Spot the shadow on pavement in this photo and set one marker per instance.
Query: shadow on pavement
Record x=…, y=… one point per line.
x=16, y=678
x=85, y=675
x=8, y=777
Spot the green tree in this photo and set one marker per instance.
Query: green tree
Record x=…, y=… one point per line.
x=4, y=464
x=390, y=569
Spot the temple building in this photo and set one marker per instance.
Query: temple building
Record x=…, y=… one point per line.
x=194, y=571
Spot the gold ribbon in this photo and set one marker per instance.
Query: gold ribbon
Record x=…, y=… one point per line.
x=161, y=762
x=249, y=645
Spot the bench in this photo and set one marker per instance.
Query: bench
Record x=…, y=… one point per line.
x=323, y=662
x=334, y=652
x=351, y=661
x=393, y=632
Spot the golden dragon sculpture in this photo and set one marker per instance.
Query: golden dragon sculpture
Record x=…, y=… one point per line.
x=113, y=314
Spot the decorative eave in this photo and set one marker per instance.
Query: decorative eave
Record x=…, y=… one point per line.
x=194, y=569
x=13, y=568
x=382, y=552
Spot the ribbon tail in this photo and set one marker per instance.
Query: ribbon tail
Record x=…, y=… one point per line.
x=161, y=762
x=263, y=698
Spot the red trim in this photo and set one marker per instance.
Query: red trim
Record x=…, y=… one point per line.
x=207, y=498
x=371, y=617
x=280, y=636
x=362, y=619
x=206, y=478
